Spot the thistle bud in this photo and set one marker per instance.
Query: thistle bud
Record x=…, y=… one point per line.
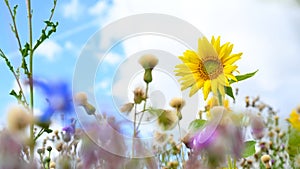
x=177, y=103
x=139, y=95
x=81, y=99
x=90, y=109
x=18, y=119
x=148, y=62
x=266, y=160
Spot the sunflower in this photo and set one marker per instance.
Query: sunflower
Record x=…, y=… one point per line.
x=210, y=68
x=295, y=119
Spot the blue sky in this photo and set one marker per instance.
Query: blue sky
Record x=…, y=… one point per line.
x=266, y=31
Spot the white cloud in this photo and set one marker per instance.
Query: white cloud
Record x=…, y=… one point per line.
x=98, y=8
x=49, y=49
x=112, y=58
x=73, y=9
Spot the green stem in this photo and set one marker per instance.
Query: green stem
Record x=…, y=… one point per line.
x=220, y=98
x=30, y=75
x=144, y=108
x=134, y=129
x=229, y=162
x=15, y=31
x=234, y=163
x=39, y=134
x=181, y=147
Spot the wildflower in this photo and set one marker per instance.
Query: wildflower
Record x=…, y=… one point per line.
x=295, y=119
x=58, y=96
x=127, y=107
x=167, y=120
x=148, y=62
x=209, y=68
x=18, y=118
x=177, y=103
x=257, y=127
x=220, y=137
x=266, y=160
x=81, y=99
x=160, y=138
x=139, y=95
x=52, y=164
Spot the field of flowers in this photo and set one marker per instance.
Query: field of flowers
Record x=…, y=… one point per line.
x=218, y=137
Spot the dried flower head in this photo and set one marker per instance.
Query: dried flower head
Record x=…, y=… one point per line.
x=18, y=118
x=52, y=165
x=265, y=158
x=167, y=120
x=80, y=98
x=148, y=61
x=177, y=103
x=160, y=138
x=126, y=108
x=139, y=95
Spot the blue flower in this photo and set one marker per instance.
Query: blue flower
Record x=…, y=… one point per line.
x=59, y=98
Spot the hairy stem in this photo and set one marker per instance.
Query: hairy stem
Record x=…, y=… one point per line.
x=30, y=75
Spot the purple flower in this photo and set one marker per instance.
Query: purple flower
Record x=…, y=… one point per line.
x=58, y=96
x=215, y=141
x=257, y=127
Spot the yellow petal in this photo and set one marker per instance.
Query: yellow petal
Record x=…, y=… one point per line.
x=194, y=89
x=233, y=58
x=205, y=48
x=206, y=89
x=214, y=86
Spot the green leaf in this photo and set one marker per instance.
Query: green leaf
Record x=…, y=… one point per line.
x=11, y=68
x=249, y=149
x=25, y=50
x=155, y=112
x=196, y=124
x=243, y=77
x=15, y=10
x=228, y=91
x=47, y=130
x=17, y=96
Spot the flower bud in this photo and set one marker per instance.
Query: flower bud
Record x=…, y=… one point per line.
x=177, y=103
x=18, y=119
x=80, y=98
x=139, y=95
x=90, y=109
x=148, y=62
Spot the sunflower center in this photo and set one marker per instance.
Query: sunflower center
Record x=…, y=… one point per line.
x=212, y=67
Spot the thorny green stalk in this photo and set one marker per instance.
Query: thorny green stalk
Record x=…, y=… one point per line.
x=30, y=75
